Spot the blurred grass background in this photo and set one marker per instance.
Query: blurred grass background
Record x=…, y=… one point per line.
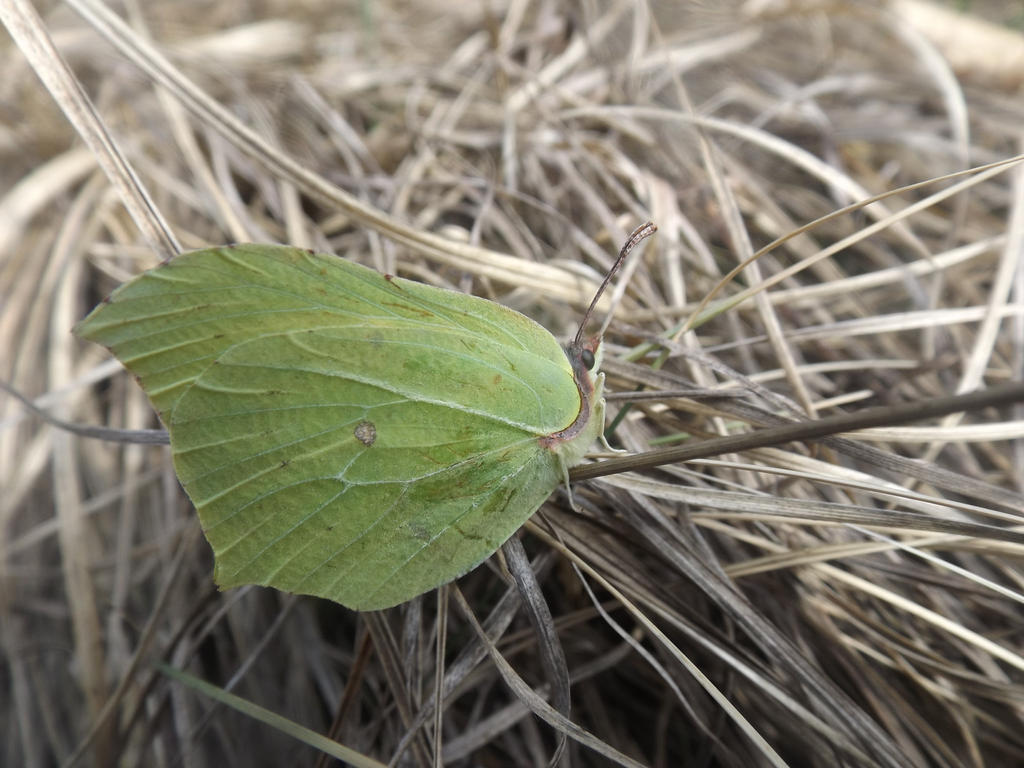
x=854, y=603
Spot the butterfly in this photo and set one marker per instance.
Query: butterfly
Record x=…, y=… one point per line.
x=345, y=433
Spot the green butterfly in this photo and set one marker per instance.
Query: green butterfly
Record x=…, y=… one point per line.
x=344, y=433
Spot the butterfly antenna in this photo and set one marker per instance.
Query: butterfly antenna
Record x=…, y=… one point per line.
x=638, y=235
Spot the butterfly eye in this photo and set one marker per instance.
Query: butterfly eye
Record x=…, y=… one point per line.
x=587, y=358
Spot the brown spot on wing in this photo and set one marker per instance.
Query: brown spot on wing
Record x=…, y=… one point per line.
x=366, y=433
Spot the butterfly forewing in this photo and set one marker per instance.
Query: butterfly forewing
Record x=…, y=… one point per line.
x=342, y=433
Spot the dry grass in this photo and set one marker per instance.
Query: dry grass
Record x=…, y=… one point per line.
x=837, y=603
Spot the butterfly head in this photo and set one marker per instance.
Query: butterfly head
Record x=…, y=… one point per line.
x=585, y=360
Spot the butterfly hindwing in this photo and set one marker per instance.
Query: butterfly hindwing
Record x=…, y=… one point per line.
x=316, y=483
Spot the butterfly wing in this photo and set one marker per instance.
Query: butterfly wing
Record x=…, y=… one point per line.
x=343, y=433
